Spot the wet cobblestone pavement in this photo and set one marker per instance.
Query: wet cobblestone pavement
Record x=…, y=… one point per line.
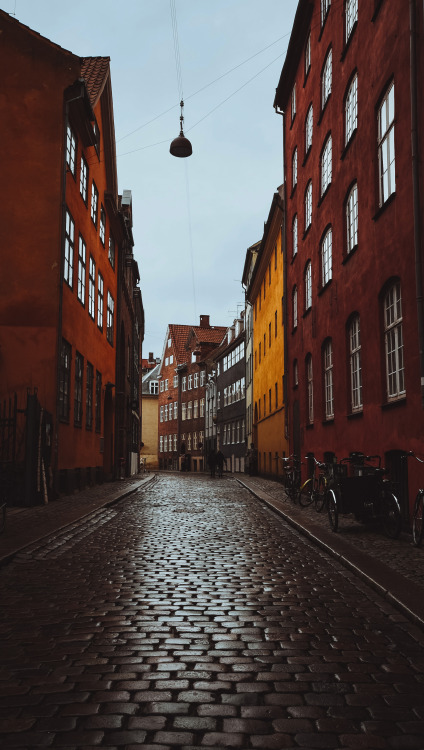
x=189, y=615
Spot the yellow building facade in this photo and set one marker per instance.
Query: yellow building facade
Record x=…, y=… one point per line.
x=266, y=295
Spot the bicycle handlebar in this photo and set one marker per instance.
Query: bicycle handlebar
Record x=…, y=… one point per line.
x=411, y=453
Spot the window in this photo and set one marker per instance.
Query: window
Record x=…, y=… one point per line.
x=64, y=380
x=352, y=219
x=195, y=409
x=161, y=444
x=351, y=109
x=110, y=318
x=154, y=387
x=94, y=203
x=326, y=257
x=111, y=251
x=91, y=287
x=166, y=384
x=294, y=235
x=325, y=7
x=89, y=397
x=326, y=78
x=175, y=381
x=189, y=410
x=394, y=342
x=294, y=298
x=165, y=412
x=202, y=407
x=308, y=205
x=68, y=269
x=295, y=373
x=102, y=228
x=175, y=442
x=351, y=16
x=84, y=179
x=308, y=54
x=100, y=286
x=184, y=383
x=195, y=441
x=293, y=103
x=196, y=380
x=308, y=129
x=184, y=411
x=161, y=412
x=98, y=404
x=308, y=286
x=161, y=385
x=328, y=379
x=81, y=270
x=294, y=169
x=175, y=409
x=79, y=366
x=309, y=389
x=326, y=165
x=355, y=364
x=190, y=382
x=71, y=147
x=386, y=145
x=203, y=377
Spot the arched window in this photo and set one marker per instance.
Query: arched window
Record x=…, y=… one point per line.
x=295, y=374
x=294, y=169
x=351, y=16
x=328, y=379
x=327, y=257
x=309, y=389
x=351, y=109
x=393, y=336
x=352, y=219
x=326, y=78
x=325, y=7
x=308, y=128
x=308, y=205
x=355, y=364
x=294, y=301
x=294, y=235
x=308, y=286
x=386, y=145
x=326, y=164
x=308, y=54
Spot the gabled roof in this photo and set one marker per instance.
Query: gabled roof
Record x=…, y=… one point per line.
x=95, y=71
x=179, y=335
x=211, y=335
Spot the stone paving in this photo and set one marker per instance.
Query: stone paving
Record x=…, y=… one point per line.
x=189, y=615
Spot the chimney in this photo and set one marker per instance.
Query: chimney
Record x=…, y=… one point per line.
x=204, y=321
x=151, y=357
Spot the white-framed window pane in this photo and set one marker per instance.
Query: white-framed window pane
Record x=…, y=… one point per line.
x=327, y=257
x=83, y=179
x=308, y=206
x=327, y=165
x=294, y=235
x=100, y=285
x=327, y=75
x=308, y=54
x=308, y=286
x=294, y=169
x=81, y=269
x=68, y=267
x=386, y=145
x=351, y=16
x=91, y=287
x=71, y=147
x=309, y=122
x=295, y=307
x=94, y=202
x=352, y=219
x=328, y=380
x=325, y=7
x=293, y=103
x=355, y=364
x=110, y=318
x=351, y=109
x=394, y=342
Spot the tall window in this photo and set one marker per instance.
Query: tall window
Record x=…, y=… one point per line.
x=351, y=16
x=293, y=103
x=328, y=379
x=294, y=298
x=94, y=203
x=100, y=286
x=309, y=128
x=394, y=342
x=326, y=79
x=68, y=267
x=79, y=366
x=386, y=145
x=294, y=169
x=89, y=397
x=84, y=179
x=308, y=286
x=98, y=403
x=294, y=235
x=351, y=109
x=92, y=287
x=71, y=147
x=355, y=364
x=326, y=164
x=81, y=269
x=309, y=389
x=295, y=373
x=352, y=219
x=64, y=380
x=308, y=54
x=111, y=251
x=325, y=7
x=102, y=228
x=326, y=257
x=308, y=205
x=110, y=318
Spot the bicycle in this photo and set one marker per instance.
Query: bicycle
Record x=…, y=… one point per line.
x=417, y=513
x=291, y=469
x=313, y=490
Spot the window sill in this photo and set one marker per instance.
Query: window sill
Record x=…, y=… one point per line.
x=309, y=426
x=323, y=109
x=348, y=42
x=325, y=287
x=306, y=157
x=294, y=330
x=348, y=144
x=349, y=255
x=324, y=193
x=293, y=259
x=307, y=312
x=385, y=205
x=305, y=80
x=305, y=233
x=356, y=414
x=401, y=401
x=328, y=421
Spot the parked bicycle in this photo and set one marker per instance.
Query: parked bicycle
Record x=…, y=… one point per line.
x=313, y=490
x=417, y=513
x=366, y=494
x=291, y=478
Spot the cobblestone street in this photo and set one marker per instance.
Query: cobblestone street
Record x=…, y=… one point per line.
x=190, y=615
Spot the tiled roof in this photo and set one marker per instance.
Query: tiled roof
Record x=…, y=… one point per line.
x=95, y=71
x=209, y=335
x=179, y=335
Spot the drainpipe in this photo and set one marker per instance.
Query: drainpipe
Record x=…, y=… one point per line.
x=416, y=190
x=285, y=264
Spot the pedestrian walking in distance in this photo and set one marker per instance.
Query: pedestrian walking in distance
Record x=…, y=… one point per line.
x=220, y=460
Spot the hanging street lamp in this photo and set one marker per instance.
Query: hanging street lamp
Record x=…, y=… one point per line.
x=181, y=146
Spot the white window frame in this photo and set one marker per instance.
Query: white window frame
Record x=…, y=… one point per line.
x=294, y=305
x=83, y=179
x=195, y=409
x=393, y=339
x=308, y=205
x=190, y=382
x=183, y=411
x=196, y=380
x=352, y=219
x=309, y=126
x=327, y=78
x=100, y=300
x=326, y=164
x=175, y=409
x=92, y=287
x=294, y=168
x=355, y=364
x=308, y=286
x=325, y=7
x=184, y=383
x=82, y=254
x=308, y=55
x=294, y=236
x=293, y=103
x=386, y=145
x=189, y=410
x=327, y=257
x=351, y=109
x=328, y=379
x=68, y=269
x=351, y=16
x=71, y=149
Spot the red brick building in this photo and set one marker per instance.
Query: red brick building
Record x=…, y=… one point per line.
x=62, y=232
x=182, y=394
x=350, y=94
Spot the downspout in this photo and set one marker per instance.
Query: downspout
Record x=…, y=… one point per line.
x=284, y=248
x=416, y=191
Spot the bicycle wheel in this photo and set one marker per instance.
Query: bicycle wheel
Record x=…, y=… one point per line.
x=306, y=493
x=292, y=490
x=319, y=495
x=333, y=511
x=392, y=519
x=417, y=520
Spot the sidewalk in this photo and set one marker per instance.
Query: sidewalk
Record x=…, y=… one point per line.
x=393, y=567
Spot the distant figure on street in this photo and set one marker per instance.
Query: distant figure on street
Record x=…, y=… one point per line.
x=252, y=457
x=221, y=460
x=212, y=461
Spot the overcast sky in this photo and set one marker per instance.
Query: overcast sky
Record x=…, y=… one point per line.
x=193, y=218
